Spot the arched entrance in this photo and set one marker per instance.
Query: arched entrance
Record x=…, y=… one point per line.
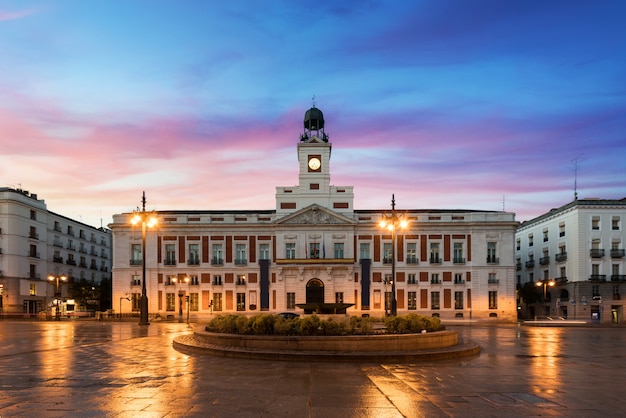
x=315, y=291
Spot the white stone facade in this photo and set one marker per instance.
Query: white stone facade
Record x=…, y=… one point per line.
x=315, y=247
x=36, y=243
x=581, y=247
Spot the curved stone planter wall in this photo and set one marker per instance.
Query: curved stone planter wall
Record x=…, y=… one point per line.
x=396, y=347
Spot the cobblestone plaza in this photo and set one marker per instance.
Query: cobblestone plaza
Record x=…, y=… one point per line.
x=120, y=369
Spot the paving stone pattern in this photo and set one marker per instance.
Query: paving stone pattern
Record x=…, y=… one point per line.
x=87, y=368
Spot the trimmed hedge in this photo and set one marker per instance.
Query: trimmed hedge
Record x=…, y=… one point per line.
x=270, y=324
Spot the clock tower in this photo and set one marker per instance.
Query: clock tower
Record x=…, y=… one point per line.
x=314, y=187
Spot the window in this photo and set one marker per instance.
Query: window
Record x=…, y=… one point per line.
x=169, y=280
x=33, y=215
x=616, y=292
x=561, y=230
x=314, y=250
x=291, y=300
x=595, y=290
x=217, y=280
x=530, y=240
x=32, y=290
x=135, y=280
x=33, y=233
x=493, y=299
x=338, y=249
x=387, y=252
x=193, y=301
x=194, y=255
x=338, y=297
x=217, y=301
x=434, y=253
x=411, y=253
x=458, y=253
x=563, y=274
x=412, y=301
x=595, y=223
x=458, y=278
x=170, y=301
x=241, y=280
x=434, y=278
x=615, y=223
x=364, y=251
x=412, y=278
x=135, y=255
x=170, y=254
x=193, y=280
x=434, y=300
x=491, y=253
x=241, y=301
x=241, y=257
x=135, y=301
x=218, y=256
x=545, y=235
x=264, y=251
x=290, y=250
x=492, y=278
x=458, y=300
x=518, y=244
x=57, y=226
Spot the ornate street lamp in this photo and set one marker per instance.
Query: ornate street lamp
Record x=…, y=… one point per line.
x=545, y=283
x=57, y=291
x=392, y=221
x=147, y=220
x=180, y=296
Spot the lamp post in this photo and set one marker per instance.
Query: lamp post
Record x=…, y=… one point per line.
x=57, y=293
x=147, y=220
x=122, y=298
x=545, y=283
x=391, y=222
x=180, y=296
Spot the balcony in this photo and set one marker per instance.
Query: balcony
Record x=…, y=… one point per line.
x=561, y=280
x=135, y=262
x=216, y=261
x=435, y=281
x=493, y=281
x=596, y=253
x=104, y=269
x=561, y=257
x=217, y=282
x=241, y=262
x=458, y=260
x=387, y=260
x=600, y=278
x=411, y=259
x=518, y=266
x=135, y=282
x=57, y=243
x=193, y=261
x=82, y=265
x=618, y=277
x=71, y=247
x=493, y=259
x=459, y=281
x=240, y=282
x=530, y=264
x=169, y=262
x=544, y=261
x=435, y=260
x=33, y=235
x=33, y=254
x=617, y=253
x=57, y=259
x=71, y=262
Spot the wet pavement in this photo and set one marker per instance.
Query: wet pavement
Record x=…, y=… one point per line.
x=120, y=369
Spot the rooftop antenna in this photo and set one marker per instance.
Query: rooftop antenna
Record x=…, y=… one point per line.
x=575, y=162
x=313, y=101
x=503, y=203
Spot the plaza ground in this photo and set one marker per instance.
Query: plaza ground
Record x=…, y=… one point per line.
x=86, y=368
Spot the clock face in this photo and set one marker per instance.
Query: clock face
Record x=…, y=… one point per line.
x=315, y=163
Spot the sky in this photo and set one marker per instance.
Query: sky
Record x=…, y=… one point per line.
x=447, y=104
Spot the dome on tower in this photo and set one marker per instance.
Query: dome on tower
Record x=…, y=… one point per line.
x=314, y=119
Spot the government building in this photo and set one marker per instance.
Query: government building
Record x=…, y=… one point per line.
x=315, y=252
x=575, y=256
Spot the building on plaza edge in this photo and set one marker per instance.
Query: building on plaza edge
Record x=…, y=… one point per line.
x=577, y=250
x=36, y=243
x=315, y=247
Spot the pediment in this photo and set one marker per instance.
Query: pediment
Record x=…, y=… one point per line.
x=315, y=215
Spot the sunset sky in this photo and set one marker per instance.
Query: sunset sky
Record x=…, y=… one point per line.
x=468, y=104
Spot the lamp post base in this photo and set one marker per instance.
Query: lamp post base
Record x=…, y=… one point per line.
x=143, y=305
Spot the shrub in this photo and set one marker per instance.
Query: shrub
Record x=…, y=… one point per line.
x=263, y=324
x=411, y=323
x=309, y=325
